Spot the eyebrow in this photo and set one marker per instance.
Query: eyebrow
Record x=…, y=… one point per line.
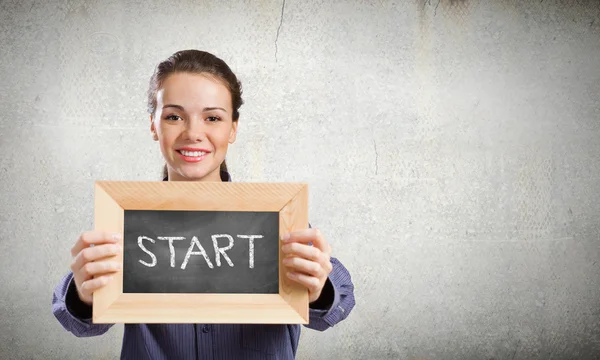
x=205, y=109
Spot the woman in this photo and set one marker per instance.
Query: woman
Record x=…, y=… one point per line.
x=194, y=100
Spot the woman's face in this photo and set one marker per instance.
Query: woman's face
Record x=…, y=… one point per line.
x=193, y=124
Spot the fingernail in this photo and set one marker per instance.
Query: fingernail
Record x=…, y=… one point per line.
x=116, y=236
x=285, y=237
x=287, y=261
x=285, y=248
x=291, y=275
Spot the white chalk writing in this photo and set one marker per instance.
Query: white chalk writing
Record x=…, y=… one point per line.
x=201, y=252
x=194, y=242
x=171, y=247
x=251, y=247
x=221, y=251
x=140, y=238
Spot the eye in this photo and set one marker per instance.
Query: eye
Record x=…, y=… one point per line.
x=173, y=117
x=213, y=118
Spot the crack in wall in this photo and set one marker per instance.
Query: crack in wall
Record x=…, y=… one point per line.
x=376, y=158
x=279, y=28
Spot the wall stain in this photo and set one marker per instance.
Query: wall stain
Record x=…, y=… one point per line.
x=448, y=6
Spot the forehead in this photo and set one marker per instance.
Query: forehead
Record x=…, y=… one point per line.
x=193, y=90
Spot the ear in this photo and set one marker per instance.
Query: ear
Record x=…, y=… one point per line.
x=153, y=129
x=233, y=133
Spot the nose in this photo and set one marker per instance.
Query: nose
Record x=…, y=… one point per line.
x=195, y=130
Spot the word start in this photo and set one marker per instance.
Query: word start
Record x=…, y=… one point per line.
x=219, y=251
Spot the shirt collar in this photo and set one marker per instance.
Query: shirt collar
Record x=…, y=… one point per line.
x=225, y=177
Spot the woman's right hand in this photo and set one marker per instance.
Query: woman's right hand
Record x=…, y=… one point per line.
x=93, y=262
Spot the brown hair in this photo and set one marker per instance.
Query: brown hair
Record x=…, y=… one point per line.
x=196, y=61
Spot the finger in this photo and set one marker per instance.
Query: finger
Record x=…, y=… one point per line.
x=306, y=252
x=97, y=268
x=89, y=238
x=310, y=282
x=89, y=286
x=304, y=266
x=95, y=253
x=311, y=235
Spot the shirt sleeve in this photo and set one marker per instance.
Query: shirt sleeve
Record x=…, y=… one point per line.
x=72, y=313
x=339, y=289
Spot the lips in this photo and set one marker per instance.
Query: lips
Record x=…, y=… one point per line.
x=192, y=154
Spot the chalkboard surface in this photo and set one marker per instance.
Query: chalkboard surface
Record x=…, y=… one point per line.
x=200, y=252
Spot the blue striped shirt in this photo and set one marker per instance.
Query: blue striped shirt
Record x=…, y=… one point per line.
x=210, y=341
x=207, y=341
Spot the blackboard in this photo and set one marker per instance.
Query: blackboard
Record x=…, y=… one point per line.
x=160, y=220
x=173, y=251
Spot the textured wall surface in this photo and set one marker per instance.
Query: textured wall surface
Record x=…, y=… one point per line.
x=452, y=150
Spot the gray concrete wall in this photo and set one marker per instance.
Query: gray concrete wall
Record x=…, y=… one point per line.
x=452, y=150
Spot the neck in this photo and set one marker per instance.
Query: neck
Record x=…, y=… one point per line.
x=214, y=176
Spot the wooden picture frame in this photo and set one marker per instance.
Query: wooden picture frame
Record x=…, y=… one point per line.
x=112, y=198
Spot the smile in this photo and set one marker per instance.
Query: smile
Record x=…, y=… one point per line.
x=192, y=156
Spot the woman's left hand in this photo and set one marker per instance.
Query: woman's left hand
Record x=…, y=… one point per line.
x=308, y=265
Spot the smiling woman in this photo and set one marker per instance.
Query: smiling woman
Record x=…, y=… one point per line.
x=193, y=101
x=194, y=94
x=194, y=125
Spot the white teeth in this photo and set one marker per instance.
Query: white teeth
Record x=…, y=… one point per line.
x=192, y=153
